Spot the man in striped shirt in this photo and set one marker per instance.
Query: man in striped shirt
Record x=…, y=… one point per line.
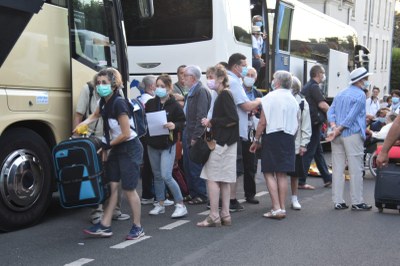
x=347, y=119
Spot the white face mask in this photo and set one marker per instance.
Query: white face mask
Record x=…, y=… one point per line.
x=323, y=78
x=248, y=81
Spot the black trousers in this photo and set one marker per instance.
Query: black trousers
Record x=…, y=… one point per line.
x=147, y=175
x=250, y=168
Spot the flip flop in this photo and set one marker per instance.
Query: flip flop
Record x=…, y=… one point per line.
x=307, y=187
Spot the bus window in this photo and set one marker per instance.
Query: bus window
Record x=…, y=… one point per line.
x=241, y=25
x=91, y=44
x=284, y=27
x=173, y=22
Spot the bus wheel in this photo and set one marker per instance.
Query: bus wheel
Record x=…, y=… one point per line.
x=25, y=181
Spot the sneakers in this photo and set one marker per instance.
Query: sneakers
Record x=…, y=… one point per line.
x=121, y=217
x=180, y=211
x=234, y=206
x=95, y=219
x=99, y=230
x=135, y=233
x=341, y=206
x=157, y=209
x=144, y=201
x=252, y=200
x=361, y=207
x=167, y=202
x=295, y=205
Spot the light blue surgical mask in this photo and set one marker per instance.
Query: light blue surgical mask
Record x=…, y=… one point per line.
x=366, y=84
x=381, y=119
x=161, y=92
x=395, y=100
x=273, y=85
x=259, y=24
x=244, y=71
x=104, y=90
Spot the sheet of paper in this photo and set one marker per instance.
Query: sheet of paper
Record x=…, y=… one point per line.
x=156, y=122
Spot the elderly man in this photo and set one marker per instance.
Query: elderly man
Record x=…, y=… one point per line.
x=347, y=117
x=249, y=159
x=196, y=107
x=279, y=123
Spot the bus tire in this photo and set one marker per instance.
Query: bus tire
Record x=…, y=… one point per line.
x=25, y=181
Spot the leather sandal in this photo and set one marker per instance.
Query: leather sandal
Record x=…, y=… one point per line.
x=210, y=222
x=226, y=220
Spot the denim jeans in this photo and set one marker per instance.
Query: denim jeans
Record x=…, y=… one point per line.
x=162, y=162
x=314, y=150
x=197, y=185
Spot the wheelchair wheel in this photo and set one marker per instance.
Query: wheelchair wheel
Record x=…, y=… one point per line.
x=372, y=164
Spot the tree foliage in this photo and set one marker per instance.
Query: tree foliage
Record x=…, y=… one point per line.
x=396, y=30
x=395, y=72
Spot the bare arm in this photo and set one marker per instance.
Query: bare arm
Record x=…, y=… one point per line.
x=251, y=105
x=262, y=124
x=391, y=138
x=323, y=106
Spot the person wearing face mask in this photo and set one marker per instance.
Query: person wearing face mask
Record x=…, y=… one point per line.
x=219, y=170
x=87, y=104
x=395, y=106
x=121, y=151
x=249, y=159
x=237, y=69
x=372, y=103
x=257, y=47
x=162, y=148
x=318, y=109
x=347, y=119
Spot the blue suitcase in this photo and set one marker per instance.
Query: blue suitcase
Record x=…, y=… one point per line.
x=79, y=172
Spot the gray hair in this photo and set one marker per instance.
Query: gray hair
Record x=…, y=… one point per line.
x=193, y=70
x=284, y=78
x=296, y=85
x=148, y=81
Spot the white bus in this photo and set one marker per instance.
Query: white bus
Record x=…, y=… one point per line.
x=205, y=32
x=48, y=50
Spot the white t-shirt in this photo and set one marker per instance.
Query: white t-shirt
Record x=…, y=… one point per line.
x=281, y=111
x=82, y=108
x=372, y=107
x=239, y=97
x=145, y=97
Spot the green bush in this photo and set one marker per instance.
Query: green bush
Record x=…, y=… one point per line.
x=395, y=72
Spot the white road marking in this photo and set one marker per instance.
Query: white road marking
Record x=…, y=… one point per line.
x=173, y=225
x=261, y=193
x=79, y=262
x=127, y=243
x=204, y=213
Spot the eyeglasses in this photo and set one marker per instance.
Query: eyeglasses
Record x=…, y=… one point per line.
x=187, y=75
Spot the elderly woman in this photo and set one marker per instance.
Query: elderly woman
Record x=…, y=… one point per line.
x=279, y=122
x=303, y=136
x=220, y=170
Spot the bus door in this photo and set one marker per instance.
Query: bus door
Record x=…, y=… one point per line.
x=97, y=41
x=281, y=37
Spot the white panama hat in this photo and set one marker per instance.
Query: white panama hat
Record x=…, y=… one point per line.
x=358, y=74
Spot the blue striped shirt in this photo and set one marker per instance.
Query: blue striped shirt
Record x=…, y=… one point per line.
x=348, y=111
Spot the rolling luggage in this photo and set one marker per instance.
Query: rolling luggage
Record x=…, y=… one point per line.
x=387, y=187
x=79, y=172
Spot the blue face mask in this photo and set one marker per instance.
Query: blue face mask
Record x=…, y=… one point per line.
x=273, y=85
x=395, y=100
x=104, y=90
x=259, y=24
x=161, y=92
x=381, y=119
x=366, y=84
x=244, y=71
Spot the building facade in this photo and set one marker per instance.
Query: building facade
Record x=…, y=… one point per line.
x=373, y=20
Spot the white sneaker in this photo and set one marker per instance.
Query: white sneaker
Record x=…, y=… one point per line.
x=180, y=211
x=296, y=205
x=146, y=201
x=157, y=210
x=167, y=202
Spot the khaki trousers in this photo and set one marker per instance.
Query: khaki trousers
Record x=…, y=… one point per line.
x=351, y=150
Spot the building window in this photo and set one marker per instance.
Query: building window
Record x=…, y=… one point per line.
x=353, y=10
x=376, y=54
x=387, y=54
x=379, y=13
x=372, y=11
x=383, y=53
x=388, y=16
x=366, y=11
x=384, y=18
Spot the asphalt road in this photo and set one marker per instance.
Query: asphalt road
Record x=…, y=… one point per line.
x=316, y=235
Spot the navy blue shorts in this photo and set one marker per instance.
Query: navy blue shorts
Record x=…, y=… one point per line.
x=123, y=163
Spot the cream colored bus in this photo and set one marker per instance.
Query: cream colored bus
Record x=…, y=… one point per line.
x=48, y=50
